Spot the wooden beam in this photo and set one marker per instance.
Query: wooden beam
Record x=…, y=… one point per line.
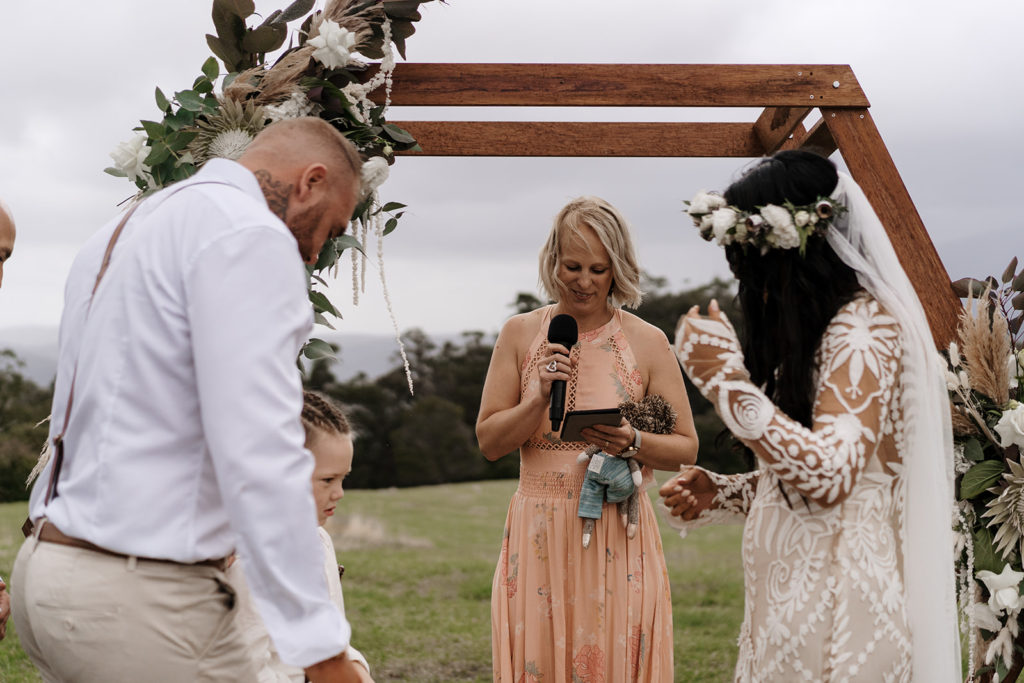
x=583, y=139
x=819, y=139
x=871, y=166
x=775, y=125
x=624, y=85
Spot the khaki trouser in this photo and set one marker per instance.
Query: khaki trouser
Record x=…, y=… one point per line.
x=86, y=616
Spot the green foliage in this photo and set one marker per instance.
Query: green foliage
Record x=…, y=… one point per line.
x=980, y=477
x=430, y=438
x=23, y=404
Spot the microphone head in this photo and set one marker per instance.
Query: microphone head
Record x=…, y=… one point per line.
x=563, y=330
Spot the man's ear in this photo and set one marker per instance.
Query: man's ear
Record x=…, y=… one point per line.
x=312, y=182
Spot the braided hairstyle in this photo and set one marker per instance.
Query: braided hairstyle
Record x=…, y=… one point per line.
x=320, y=415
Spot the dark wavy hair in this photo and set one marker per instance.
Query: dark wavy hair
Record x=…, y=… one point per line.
x=787, y=299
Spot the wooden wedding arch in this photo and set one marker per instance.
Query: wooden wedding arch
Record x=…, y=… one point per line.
x=786, y=94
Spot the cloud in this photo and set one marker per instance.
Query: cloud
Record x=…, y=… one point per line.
x=941, y=84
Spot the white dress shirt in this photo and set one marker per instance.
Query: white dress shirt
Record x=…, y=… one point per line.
x=268, y=663
x=185, y=441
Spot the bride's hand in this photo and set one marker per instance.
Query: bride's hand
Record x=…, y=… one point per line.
x=708, y=348
x=689, y=493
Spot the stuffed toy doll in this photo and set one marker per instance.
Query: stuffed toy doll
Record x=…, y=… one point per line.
x=616, y=479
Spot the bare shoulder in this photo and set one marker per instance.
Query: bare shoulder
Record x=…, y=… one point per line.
x=520, y=330
x=642, y=335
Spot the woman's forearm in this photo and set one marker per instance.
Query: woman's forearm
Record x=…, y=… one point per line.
x=506, y=430
x=667, y=451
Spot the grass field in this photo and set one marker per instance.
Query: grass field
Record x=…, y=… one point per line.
x=418, y=568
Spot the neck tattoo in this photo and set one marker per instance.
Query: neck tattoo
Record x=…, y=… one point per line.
x=275, y=191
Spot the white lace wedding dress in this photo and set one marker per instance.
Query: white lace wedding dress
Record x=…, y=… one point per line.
x=823, y=571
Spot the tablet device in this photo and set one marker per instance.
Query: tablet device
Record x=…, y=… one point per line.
x=576, y=420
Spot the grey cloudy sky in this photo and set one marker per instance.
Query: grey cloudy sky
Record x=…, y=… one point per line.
x=944, y=85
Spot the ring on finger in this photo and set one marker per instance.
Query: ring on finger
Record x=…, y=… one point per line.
x=552, y=366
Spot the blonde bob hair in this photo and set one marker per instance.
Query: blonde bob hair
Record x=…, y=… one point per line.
x=613, y=232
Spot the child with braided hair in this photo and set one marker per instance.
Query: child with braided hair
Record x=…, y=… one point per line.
x=329, y=437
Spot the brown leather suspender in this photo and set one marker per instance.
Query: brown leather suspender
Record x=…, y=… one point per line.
x=58, y=441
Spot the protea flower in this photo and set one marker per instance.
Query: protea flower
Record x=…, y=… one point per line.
x=226, y=133
x=1007, y=511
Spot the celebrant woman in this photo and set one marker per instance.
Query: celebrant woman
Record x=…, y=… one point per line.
x=835, y=388
x=561, y=612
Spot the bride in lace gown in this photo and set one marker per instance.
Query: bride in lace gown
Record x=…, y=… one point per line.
x=847, y=549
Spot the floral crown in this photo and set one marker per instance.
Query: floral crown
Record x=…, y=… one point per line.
x=770, y=227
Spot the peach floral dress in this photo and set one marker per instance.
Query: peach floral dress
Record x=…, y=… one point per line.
x=559, y=613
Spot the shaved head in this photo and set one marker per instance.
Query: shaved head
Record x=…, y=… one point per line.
x=310, y=175
x=6, y=237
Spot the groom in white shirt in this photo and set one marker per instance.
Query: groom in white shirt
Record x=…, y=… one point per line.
x=183, y=442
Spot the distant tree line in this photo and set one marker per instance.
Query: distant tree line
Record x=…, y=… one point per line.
x=23, y=404
x=429, y=438
x=403, y=440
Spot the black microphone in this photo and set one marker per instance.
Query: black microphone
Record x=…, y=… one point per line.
x=562, y=330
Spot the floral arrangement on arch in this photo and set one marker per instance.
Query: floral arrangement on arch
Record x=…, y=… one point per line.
x=322, y=73
x=985, y=378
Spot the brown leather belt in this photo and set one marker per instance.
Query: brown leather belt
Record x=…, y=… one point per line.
x=51, y=534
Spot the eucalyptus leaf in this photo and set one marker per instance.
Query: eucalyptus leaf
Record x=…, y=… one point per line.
x=1018, y=302
x=202, y=85
x=240, y=8
x=210, y=69
x=397, y=134
x=985, y=555
x=153, y=129
x=1015, y=324
x=316, y=349
x=1018, y=283
x=159, y=154
x=162, y=101
x=968, y=286
x=322, y=303
x=266, y=38
x=973, y=450
x=390, y=225
x=391, y=206
x=189, y=100
x=348, y=242
x=980, y=477
x=295, y=10
x=1010, y=270
x=319, y=319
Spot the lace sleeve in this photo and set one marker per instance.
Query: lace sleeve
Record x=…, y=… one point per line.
x=857, y=368
x=729, y=506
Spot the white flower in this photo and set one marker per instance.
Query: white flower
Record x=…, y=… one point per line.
x=129, y=157
x=784, y=237
x=801, y=218
x=705, y=202
x=985, y=617
x=1015, y=366
x=333, y=44
x=229, y=144
x=777, y=216
x=706, y=224
x=722, y=220
x=1011, y=426
x=373, y=174
x=295, y=106
x=1002, y=588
